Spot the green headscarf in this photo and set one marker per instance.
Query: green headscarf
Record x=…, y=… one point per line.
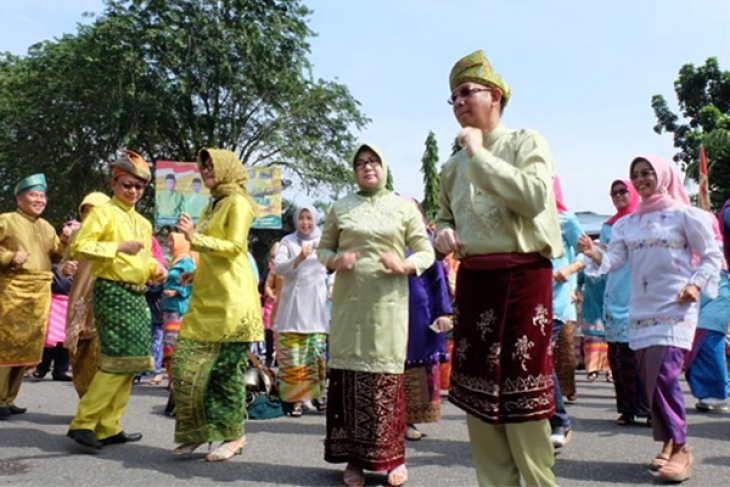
x=230, y=175
x=381, y=185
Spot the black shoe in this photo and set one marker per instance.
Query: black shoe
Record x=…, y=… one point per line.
x=40, y=374
x=85, y=438
x=170, y=407
x=121, y=438
x=16, y=410
x=5, y=413
x=62, y=377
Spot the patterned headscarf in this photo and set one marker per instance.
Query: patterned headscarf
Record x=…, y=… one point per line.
x=634, y=200
x=129, y=162
x=230, y=175
x=381, y=185
x=670, y=192
x=476, y=68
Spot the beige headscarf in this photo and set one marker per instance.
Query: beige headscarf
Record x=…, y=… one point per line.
x=230, y=174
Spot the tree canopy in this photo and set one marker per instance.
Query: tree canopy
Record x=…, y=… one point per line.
x=165, y=78
x=431, y=178
x=703, y=97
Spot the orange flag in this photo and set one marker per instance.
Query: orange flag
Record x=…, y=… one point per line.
x=704, y=196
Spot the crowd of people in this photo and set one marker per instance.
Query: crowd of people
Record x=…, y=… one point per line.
x=371, y=315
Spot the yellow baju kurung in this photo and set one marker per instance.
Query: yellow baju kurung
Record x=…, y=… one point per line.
x=223, y=317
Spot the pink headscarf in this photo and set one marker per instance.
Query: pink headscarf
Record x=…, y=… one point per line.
x=157, y=252
x=634, y=199
x=558, y=190
x=715, y=227
x=670, y=191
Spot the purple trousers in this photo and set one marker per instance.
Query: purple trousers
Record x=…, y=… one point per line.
x=660, y=368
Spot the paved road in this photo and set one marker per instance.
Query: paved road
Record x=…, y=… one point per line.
x=288, y=451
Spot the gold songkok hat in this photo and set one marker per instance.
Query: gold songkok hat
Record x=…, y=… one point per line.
x=476, y=68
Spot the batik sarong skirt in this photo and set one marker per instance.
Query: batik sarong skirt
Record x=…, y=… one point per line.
x=25, y=302
x=123, y=322
x=423, y=394
x=366, y=419
x=209, y=389
x=302, y=362
x=502, y=364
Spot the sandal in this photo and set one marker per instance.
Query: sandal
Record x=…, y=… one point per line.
x=609, y=377
x=662, y=458
x=297, y=410
x=156, y=380
x=678, y=471
x=187, y=448
x=354, y=476
x=321, y=403
x=591, y=376
x=626, y=420
x=412, y=433
x=225, y=452
x=398, y=476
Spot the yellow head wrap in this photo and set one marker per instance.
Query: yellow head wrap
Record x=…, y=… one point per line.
x=476, y=68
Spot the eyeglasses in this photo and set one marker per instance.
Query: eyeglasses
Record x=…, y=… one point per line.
x=619, y=192
x=465, y=93
x=372, y=162
x=131, y=186
x=642, y=175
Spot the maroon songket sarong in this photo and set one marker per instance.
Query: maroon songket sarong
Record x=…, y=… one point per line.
x=501, y=364
x=366, y=419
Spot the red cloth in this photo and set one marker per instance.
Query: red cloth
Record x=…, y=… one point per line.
x=501, y=365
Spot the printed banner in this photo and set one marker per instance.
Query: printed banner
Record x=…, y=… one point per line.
x=180, y=189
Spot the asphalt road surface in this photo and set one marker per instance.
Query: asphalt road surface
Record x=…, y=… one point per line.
x=288, y=451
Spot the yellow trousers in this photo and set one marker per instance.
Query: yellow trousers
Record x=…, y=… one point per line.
x=103, y=405
x=85, y=363
x=503, y=453
x=11, y=378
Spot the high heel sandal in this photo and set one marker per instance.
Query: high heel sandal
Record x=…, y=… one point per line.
x=188, y=448
x=591, y=376
x=224, y=452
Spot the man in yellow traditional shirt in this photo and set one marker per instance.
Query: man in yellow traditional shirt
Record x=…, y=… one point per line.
x=196, y=201
x=28, y=246
x=118, y=242
x=498, y=214
x=169, y=202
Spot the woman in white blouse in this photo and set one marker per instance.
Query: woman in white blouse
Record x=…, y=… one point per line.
x=301, y=315
x=659, y=241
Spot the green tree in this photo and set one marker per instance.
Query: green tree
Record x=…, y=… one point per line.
x=431, y=178
x=167, y=77
x=703, y=97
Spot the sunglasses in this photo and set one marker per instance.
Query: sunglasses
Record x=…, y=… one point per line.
x=465, y=93
x=131, y=186
x=619, y=192
x=642, y=175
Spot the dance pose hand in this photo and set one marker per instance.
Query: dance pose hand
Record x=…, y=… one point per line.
x=442, y=324
x=396, y=265
x=690, y=294
x=307, y=250
x=585, y=244
x=19, y=258
x=447, y=241
x=186, y=226
x=187, y=278
x=344, y=262
x=132, y=247
x=160, y=275
x=577, y=297
x=472, y=139
x=563, y=274
x=66, y=233
x=169, y=293
x=69, y=268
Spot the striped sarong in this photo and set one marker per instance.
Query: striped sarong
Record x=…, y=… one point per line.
x=56, y=332
x=302, y=366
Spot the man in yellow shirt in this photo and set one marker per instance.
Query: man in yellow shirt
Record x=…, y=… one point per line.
x=28, y=246
x=497, y=213
x=118, y=242
x=196, y=201
x=170, y=201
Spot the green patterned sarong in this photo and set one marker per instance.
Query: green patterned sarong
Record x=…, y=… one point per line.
x=124, y=324
x=210, y=394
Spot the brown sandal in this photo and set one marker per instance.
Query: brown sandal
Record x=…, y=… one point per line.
x=675, y=471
